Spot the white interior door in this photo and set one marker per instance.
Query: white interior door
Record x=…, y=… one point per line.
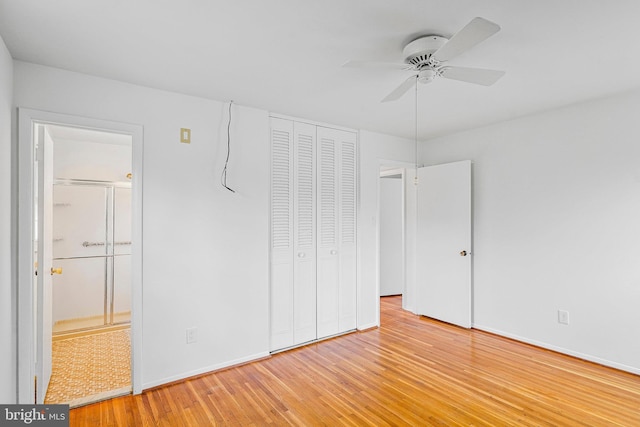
x=44, y=316
x=443, y=264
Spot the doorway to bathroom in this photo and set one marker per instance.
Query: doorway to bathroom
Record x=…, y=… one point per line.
x=82, y=223
x=79, y=258
x=87, y=225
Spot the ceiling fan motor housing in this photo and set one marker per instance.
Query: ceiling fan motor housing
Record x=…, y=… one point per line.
x=419, y=51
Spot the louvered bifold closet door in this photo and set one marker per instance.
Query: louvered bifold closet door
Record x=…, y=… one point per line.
x=347, y=232
x=336, y=231
x=282, y=234
x=313, y=232
x=304, y=257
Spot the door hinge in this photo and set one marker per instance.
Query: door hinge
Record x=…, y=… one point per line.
x=35, y=390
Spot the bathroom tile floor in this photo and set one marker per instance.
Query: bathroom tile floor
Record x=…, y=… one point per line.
x=90, y=368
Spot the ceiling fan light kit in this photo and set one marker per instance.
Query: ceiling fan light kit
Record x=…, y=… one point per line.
x=426, y=56
x=426, y=76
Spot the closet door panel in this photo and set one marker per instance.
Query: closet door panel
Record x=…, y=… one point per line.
x=281, y=305
x=328, y=256
x=347, y=237
x=328, y=297
x=282, y=270
x=304, y=259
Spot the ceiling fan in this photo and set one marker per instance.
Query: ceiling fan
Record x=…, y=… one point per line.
x=426, y=57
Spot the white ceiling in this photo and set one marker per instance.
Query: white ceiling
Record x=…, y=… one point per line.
x=285, y=56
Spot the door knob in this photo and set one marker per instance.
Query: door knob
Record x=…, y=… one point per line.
x=463, y=253
x=56, y=270
x=333, y=252
x=301, y=255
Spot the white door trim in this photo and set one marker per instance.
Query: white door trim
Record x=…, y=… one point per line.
x=26, y=156
x=402, y=178
x=395, y=167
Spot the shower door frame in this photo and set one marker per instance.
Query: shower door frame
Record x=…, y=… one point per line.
x=26, y=318
x=109, y=279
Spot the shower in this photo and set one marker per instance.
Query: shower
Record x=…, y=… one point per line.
x=92, y=252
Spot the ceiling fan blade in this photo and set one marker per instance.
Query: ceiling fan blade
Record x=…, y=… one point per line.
x=375, y=64
x=479, y=76
x=401, y=90
x=476, y=31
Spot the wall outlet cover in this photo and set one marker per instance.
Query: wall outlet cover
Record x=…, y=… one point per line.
x=192, y=335
x=563, y=317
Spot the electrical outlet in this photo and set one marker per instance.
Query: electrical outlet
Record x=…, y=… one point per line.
x=192, y=335
x=563, y=317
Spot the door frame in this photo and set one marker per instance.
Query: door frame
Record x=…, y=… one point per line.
x=26, y=315
x=403, y=176
x=403, y=168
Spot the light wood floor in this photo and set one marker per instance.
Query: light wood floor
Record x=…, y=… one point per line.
x=411, y=371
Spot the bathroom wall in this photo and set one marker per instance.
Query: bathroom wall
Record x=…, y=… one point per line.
x=85, y=159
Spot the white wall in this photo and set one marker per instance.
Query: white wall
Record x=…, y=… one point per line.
x=375, y=150
x=91, y=160
x=391, y=232
x=557, y=208
x=7, y=261
x=205, y=249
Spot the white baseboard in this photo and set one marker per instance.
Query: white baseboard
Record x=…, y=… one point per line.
x=367, y=326
x=204, y=370
x=562, y=350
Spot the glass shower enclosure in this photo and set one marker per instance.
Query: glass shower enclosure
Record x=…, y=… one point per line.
x=92, y=245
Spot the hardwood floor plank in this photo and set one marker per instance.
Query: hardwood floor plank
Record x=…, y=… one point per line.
x=410, y=371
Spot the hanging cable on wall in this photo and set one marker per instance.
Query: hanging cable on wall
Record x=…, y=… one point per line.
x=223, y=177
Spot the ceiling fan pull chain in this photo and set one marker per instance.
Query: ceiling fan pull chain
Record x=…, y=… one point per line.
x=415, y=179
